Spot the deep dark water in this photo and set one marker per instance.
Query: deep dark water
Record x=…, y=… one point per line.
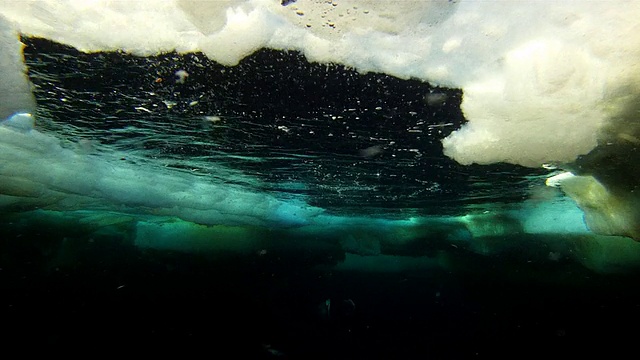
x=71, y=293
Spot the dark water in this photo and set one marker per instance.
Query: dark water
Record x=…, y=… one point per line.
x=353, y=140
x=63, y=290
x=74, y=294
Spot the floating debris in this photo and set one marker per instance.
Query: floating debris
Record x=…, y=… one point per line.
x=181, y=76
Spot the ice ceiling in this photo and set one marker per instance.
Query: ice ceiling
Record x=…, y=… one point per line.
x=543, y=82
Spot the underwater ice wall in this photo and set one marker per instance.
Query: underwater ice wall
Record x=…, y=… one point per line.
x=543, y=81
x=15, y=91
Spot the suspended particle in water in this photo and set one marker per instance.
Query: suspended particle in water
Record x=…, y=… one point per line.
x=435, y=99
x=212, y=118
x=371, y=151
x=181, y=76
